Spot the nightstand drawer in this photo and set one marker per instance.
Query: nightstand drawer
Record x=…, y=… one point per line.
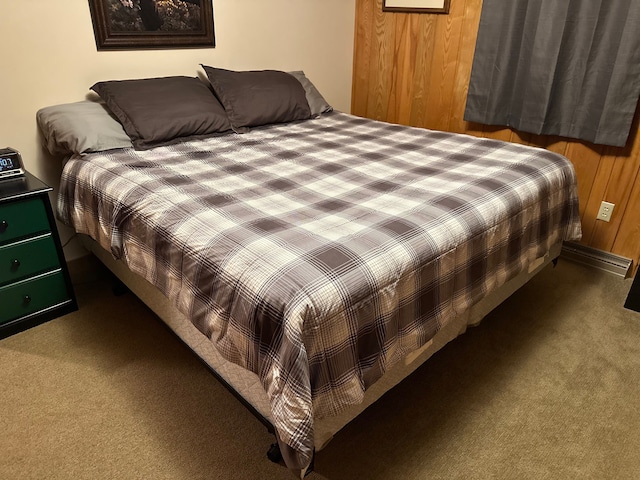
x=28, y=257
x=30, y=296
x=22, y=218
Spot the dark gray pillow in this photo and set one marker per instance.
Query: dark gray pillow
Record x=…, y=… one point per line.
x=161, y=111
x=261, y=97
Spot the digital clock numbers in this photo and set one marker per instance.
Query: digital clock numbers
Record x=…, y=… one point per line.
x=10, y=163
x=7, y=164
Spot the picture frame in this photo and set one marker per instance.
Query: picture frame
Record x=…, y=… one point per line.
x=152, y=24
x=416, y=6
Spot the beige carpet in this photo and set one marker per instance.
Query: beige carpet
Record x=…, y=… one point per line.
x=547, y=387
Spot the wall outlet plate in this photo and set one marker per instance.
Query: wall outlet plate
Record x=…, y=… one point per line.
x=605, y=212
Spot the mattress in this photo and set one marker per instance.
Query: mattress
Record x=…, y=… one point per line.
x=319, y=254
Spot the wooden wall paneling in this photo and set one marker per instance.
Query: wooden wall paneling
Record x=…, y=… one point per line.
x=598, y=187
x=557, y=145
x=444, y=67
x=403, y=66
x=627, y=242
x=585, y=161
x=406, y=29
x=362, y=46
x=470, y=23
x=539, y=140
x=523, y=138
x=473, y=128
x=624, y=236
x=425, y=39
x=497, y=133
x=381, y=65
x=623, y=174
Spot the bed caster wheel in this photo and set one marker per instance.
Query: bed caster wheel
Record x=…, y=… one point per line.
x=274, y=454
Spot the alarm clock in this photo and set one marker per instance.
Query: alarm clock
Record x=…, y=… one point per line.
x=10, y=163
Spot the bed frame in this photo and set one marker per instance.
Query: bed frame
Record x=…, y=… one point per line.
x=246, y=386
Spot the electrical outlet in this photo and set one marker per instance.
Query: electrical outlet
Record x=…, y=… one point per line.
x=605, y=212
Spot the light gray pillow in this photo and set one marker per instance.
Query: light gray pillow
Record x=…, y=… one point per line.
x=80, y=127
x=317, y=103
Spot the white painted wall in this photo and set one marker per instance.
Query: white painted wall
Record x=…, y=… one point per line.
x=48, y=56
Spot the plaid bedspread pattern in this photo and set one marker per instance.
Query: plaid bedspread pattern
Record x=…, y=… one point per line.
x=320, y=253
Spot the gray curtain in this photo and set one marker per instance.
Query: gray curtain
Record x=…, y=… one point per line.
x=558, y=67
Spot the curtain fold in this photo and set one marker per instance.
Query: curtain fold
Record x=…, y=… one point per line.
x=558, y=67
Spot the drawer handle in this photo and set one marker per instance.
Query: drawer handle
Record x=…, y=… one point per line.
x=3, y=226
x=15, y=263
x=26, y=300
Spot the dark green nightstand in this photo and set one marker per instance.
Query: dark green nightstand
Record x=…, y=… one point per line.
x=34, y=280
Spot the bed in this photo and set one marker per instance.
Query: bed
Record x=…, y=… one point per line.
x=313, y=259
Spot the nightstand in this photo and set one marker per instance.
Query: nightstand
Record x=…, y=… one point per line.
x=35, y=286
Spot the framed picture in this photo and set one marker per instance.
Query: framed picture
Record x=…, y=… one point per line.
x=416, y=6
x=142, y=24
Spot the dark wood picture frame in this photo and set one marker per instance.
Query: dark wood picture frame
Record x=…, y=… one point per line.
x=416, y=6
x=108, y=38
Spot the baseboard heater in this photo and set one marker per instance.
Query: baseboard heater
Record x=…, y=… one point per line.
x=599, y=259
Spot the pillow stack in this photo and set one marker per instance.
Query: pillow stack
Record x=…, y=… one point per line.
x=151, y=112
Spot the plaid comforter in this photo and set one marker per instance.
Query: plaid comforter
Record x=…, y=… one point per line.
x=320, y=253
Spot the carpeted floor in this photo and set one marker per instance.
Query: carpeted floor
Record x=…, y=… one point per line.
x=547, y=387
